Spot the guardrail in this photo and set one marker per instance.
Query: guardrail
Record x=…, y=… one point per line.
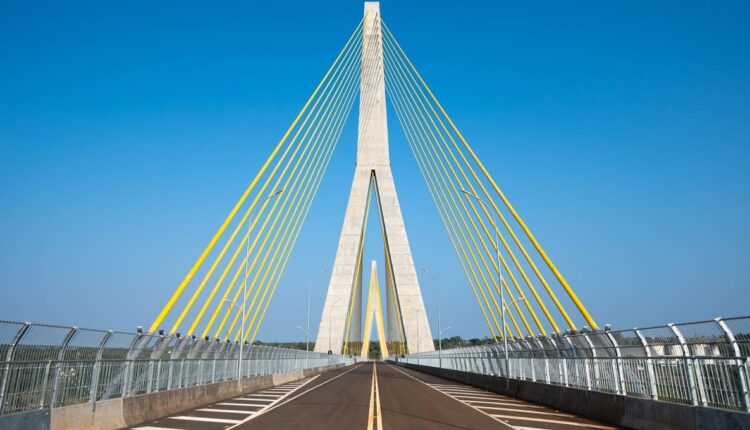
x=704, y=363
x=46, y=366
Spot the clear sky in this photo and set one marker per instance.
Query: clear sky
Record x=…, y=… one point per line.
x=621, y=132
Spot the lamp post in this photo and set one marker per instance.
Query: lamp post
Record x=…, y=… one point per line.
x=330, y=321
x=440, y=331
x=499, y=284
x=309, y=286
x=244, y=293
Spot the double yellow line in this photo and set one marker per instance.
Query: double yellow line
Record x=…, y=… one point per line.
x=374, y=416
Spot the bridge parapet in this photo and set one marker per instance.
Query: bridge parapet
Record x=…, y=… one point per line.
x=45, y=366
x=703, y=363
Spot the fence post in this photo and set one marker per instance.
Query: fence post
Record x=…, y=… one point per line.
x=745, y=395
x=595, y=362
x=97, y=370
x=8, y=358
x=619, y=372
x=649, y=365
x=689, y=364
x=129, y=364
x=58, y=370
x=43, y=395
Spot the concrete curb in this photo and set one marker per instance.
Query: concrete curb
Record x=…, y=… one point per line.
x=630, y=412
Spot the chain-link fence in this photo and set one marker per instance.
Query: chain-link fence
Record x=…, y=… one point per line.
x=46, y=366
x=703, y=363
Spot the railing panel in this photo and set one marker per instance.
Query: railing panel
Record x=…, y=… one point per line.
x=703, y=363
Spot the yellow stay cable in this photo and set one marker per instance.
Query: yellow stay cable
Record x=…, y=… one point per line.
x=538, y=298
x=240, y=246
x=438, y=199
x=231, y=287
x=433, y=129
x=186, y=280
x=315, y=126
x=516, y=216
x=287, y=252
x=302, y=200
x=263, y=267
x=446, y=196
x=412, y=108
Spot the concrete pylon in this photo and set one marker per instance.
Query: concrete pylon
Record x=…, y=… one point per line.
x=342, y=312
x=374, y=317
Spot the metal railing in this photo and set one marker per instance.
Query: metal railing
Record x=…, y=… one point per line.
x=703, y=363
x=46, y=366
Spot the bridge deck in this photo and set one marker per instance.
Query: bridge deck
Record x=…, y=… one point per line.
x=360, y=395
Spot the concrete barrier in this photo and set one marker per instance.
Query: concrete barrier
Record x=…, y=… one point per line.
x=118, y=413
x=630, y=412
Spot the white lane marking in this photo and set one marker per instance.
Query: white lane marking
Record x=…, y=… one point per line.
x=243, y=399
x=476, y=397
x=501, y=402
x=477, y=394
x=273, y=396
x=545, y=420
x=560, y=414
x=204, y=419
x=448, y=395
x=514, y=405
x=280, y=403
x=252, y=405
x=154, y=428
x=226, y=411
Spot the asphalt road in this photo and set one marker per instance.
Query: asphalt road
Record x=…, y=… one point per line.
x=374, y=396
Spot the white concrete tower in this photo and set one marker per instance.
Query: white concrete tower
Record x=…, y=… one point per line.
x=373, y=167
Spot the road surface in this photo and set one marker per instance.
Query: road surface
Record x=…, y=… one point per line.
x=373, y=397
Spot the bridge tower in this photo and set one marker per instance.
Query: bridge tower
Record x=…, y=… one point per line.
x=341, y=321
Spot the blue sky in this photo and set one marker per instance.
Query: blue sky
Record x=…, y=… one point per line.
x=621, y=132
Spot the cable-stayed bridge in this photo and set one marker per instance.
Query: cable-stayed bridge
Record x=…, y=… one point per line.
x=549, y=365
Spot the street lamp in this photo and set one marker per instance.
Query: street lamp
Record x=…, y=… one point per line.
x=309, y=286
x=499, y=283
x=440, y=331
x=244, y=292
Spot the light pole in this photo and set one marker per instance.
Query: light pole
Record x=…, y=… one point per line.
x=330, y=321
x=440, y=331
x=233, y=305
x=499, y=284
x=309, y=286
x=244, y=292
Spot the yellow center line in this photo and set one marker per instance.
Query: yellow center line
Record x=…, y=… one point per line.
x=374, y=414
